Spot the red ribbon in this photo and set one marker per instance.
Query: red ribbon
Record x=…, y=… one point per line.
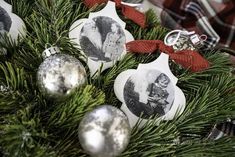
x=127, y=11
x=187, y=58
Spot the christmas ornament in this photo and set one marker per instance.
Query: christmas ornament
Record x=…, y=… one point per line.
x=10, y=23
x=149, y=91
x=184, y=40
x=59, y=74
x=101, y=37
x=104, y=132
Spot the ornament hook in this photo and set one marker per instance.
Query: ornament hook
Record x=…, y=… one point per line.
x=50, y=50
x=183, y=39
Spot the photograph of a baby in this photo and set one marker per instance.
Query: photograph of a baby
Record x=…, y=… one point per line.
x=149, y=93
x=102, y=39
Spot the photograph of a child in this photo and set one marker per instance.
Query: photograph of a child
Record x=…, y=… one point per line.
x=102, y=39
x=149, y=93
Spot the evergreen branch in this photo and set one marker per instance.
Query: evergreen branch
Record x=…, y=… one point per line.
x=220, y=148
x=21, y=8
x=21, y=135
x=41, y=127
x=67, y=115
x=69, y=145
x=12, y=76
x=153, y=139
x=8, y=47
x=15, y=87
x=203, y=111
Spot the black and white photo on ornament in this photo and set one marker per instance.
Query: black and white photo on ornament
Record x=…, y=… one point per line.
x=102, y=39
x=149, y=93
x=5, y=21
x=5, y=25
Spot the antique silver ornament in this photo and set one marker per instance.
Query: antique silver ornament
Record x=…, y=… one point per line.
x=104, y=132
x=59, y=75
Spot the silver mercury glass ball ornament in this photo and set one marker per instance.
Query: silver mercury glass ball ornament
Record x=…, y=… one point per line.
x=104, y=132
x=59, y=74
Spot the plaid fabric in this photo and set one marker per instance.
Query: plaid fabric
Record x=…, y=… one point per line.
x=215, y=18
x=223, y=129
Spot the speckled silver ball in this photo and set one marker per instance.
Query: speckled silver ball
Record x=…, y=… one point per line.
x=104, y=132
x=59, y=75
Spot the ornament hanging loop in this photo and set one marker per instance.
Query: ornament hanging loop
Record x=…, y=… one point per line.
x=184, y=40
x=50, y=50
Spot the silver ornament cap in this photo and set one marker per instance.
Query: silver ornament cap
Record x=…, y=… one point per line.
x=50, y=51
x=59, y=75
x=104, y=132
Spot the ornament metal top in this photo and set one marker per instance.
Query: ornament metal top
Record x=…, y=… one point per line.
x=59, y=74
x=104, y=132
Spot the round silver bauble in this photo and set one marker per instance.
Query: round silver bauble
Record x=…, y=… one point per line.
x=59, y=75
x=104, y=132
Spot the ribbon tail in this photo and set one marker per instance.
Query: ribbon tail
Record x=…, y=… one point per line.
x=91, y=3
x=129, y=12
x=190, y=59
x=143, y=46
x=134, y=15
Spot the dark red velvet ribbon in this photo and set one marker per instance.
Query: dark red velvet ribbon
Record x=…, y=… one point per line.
x=129, y=12
x=187, y=58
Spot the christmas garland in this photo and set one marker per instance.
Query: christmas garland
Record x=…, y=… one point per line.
x=33, y=125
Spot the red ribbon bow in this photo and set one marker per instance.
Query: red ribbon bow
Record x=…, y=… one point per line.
x=187, y=58
x=127, y=11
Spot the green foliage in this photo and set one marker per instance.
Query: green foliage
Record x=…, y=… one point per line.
x=22, y=135
x=69, y=114
x=32, y=125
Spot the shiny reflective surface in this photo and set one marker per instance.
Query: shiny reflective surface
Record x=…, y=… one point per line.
x=59, y=75
x=104, y=132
